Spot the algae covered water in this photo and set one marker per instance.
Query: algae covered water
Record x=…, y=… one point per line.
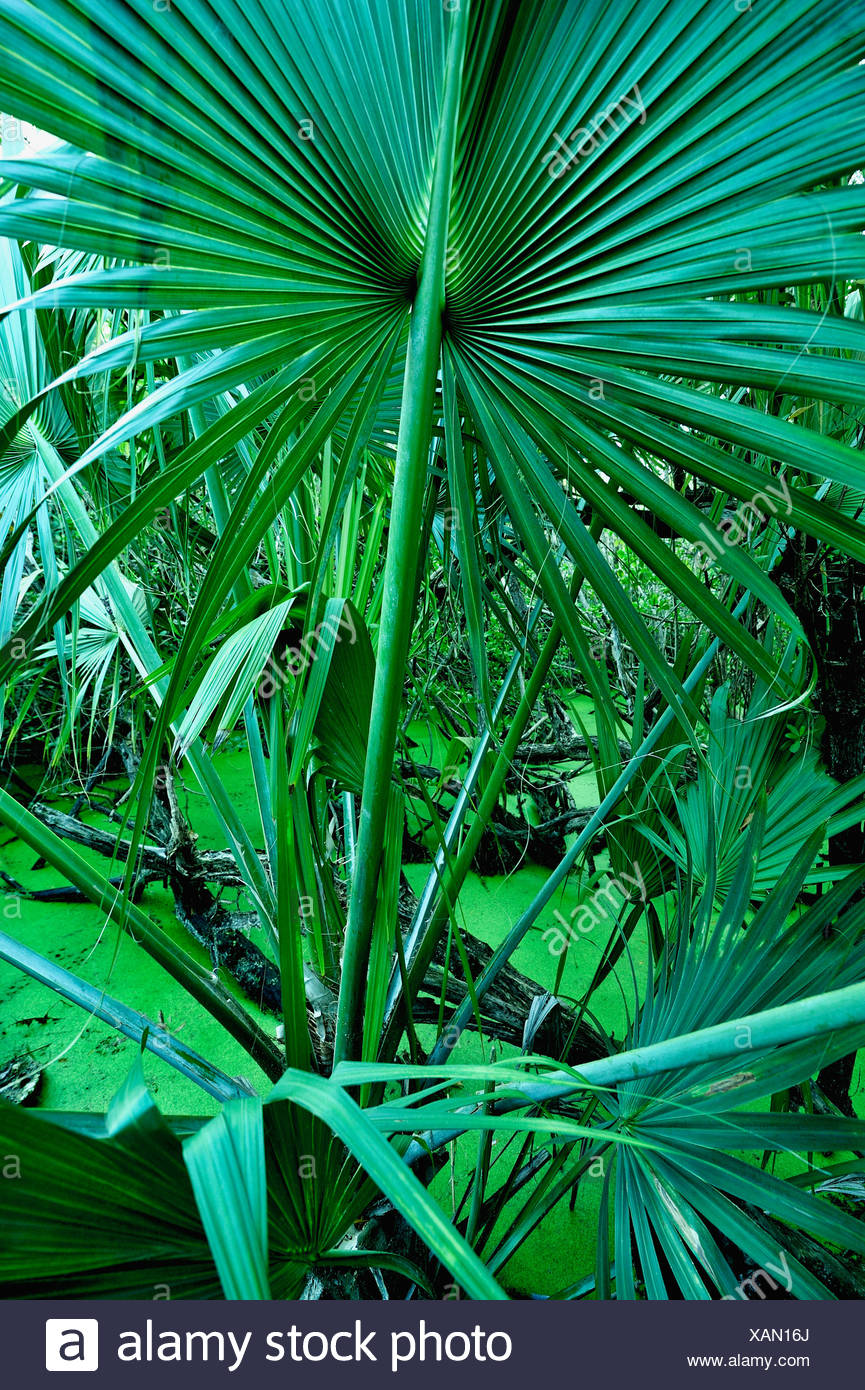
x=82, y=1061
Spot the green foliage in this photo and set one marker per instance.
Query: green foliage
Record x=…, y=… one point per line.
x=370, y=363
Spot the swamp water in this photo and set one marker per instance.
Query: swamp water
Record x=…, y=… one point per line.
x=84, y=1061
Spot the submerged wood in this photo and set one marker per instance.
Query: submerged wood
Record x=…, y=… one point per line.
x=224, y=934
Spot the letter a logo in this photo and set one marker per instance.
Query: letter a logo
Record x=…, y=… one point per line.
x=71, y=1344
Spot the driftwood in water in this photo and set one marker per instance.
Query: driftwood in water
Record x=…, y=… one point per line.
x=509, y=840
x=569, y=749
x=153, y=861
x=505, y=1006
x=66, y=893
x=20, y=1081
x=189, y=873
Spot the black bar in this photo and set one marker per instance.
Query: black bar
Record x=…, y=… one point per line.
x=464, y=1343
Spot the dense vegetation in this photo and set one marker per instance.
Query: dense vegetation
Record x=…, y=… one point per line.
x=430, y=467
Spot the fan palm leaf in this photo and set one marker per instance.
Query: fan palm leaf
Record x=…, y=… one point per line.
x=576, y=208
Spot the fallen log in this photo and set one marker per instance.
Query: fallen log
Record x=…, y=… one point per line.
x=218, y=866
x=566, y=750
x=224, y=935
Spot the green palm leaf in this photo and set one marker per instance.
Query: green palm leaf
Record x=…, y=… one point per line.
x=581, y=207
